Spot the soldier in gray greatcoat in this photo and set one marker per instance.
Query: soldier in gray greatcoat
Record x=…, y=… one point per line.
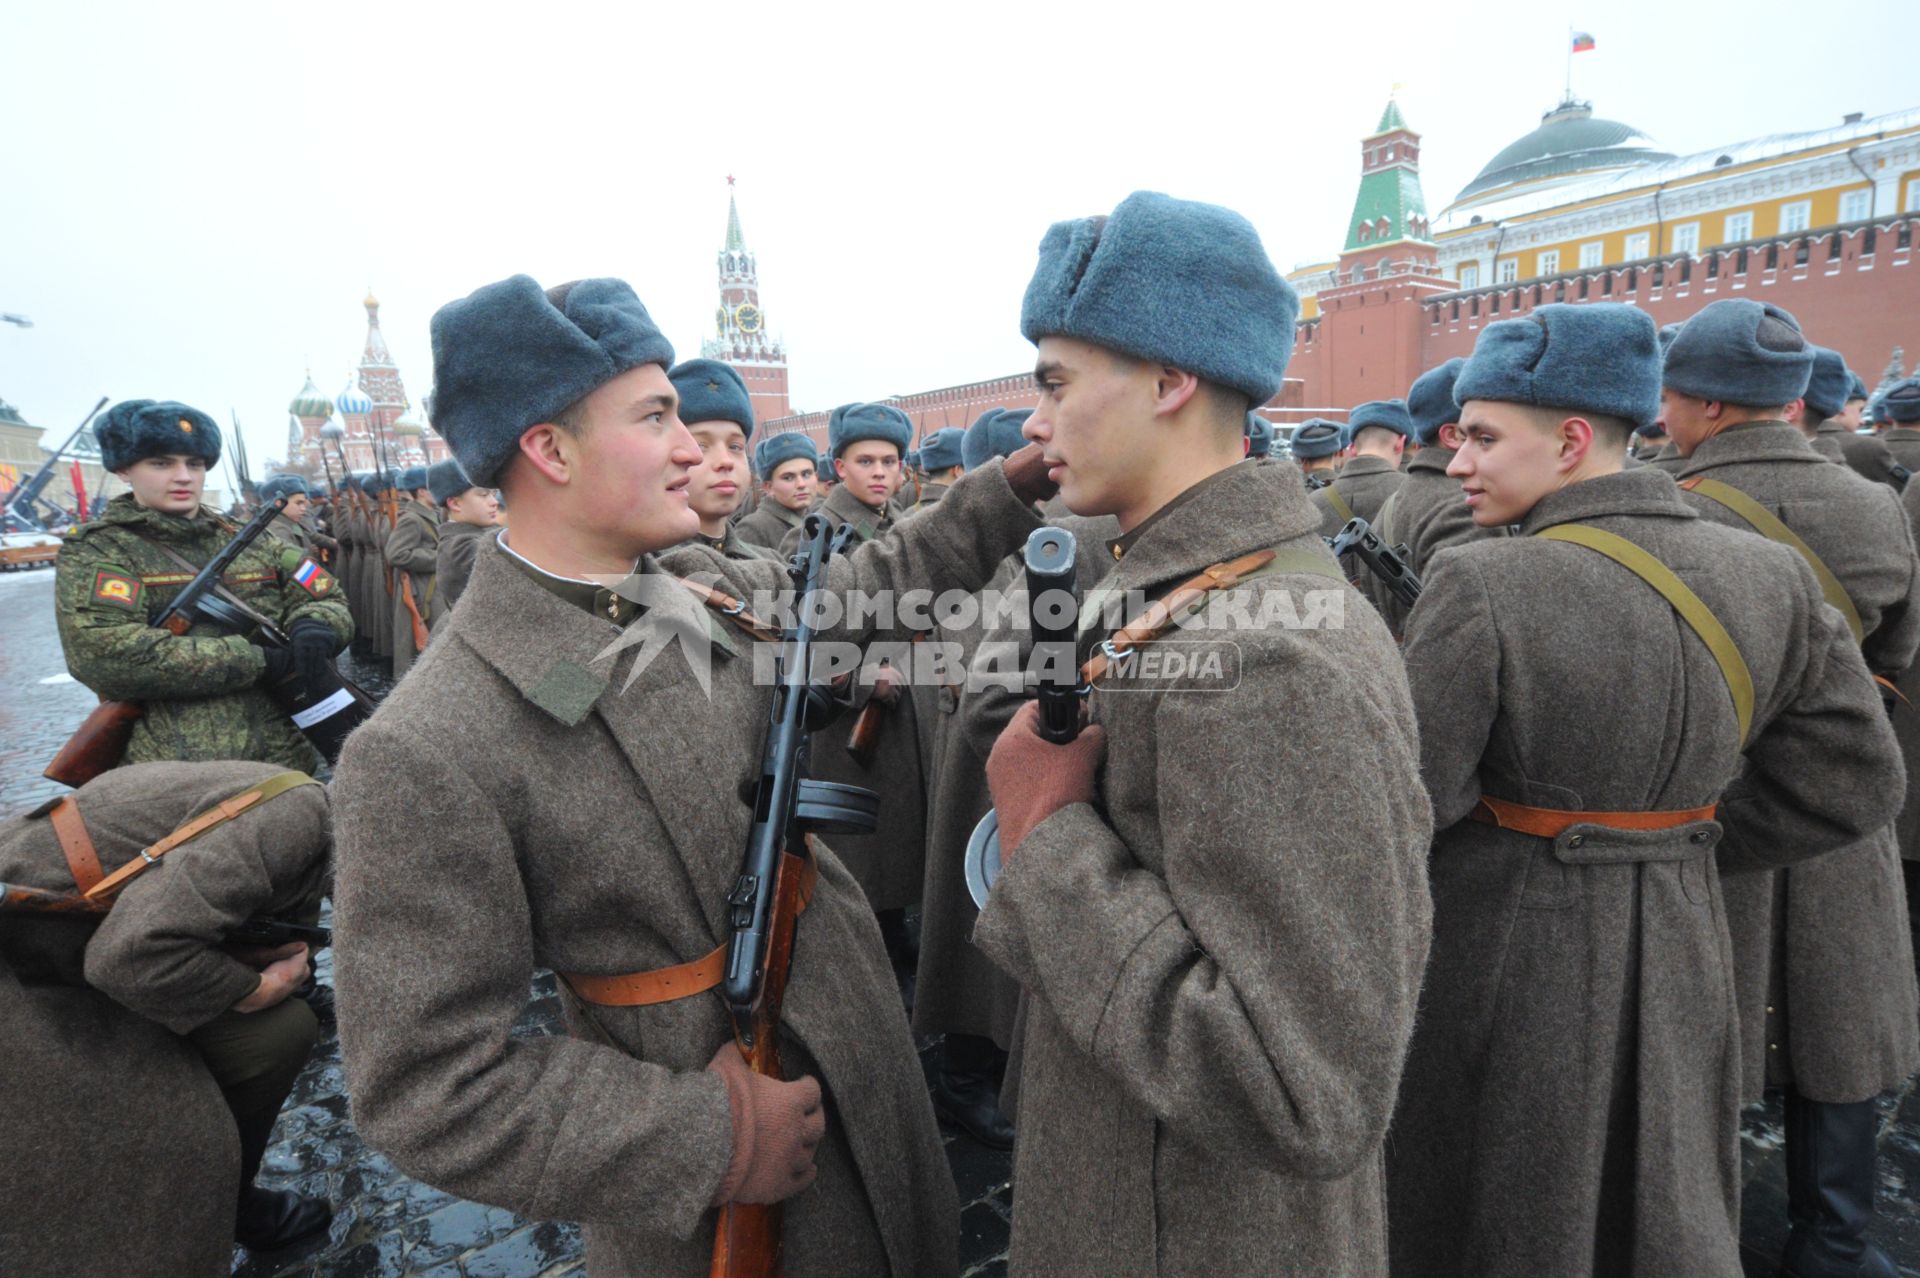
x=145, y=1060
x=1822, y=950
x=865, y=443
x=786, y=464
x=1578, y=926
x=1428, y=512
x=468, y=514
x=718, y=412
x=588, y=817
x=1315, y=448
x=413, y=554
x=1220, y=953
x=942, y=463
x=1376, y=435
x=1898, y=417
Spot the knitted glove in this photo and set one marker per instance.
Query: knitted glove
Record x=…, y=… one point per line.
x=1032, y=779
x=776, y=1126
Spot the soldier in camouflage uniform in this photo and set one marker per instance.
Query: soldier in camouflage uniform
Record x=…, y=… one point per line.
x=202, y=691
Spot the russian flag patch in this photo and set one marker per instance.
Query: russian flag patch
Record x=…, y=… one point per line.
x=312, y=578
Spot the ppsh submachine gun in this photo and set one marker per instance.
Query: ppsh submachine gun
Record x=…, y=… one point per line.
x=776, y=877
x=1053, y=611
x=1388, y=563
x=325, y=707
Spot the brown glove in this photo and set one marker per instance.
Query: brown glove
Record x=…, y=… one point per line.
x=1026, y=473
x=775, y=1128
x=1032, y=778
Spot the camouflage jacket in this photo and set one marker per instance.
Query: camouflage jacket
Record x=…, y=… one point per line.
x=200, y=689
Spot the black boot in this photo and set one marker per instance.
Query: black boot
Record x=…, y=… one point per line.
x=966, y=1093
x=1830, y=1177
x=269, y=1219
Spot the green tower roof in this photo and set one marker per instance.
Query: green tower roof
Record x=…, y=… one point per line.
x=1390, y=119
x=735, y=240
x=1390, y=191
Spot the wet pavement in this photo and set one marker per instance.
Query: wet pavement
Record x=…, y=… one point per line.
x=387, y=1224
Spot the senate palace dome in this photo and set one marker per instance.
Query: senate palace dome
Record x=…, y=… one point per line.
x=1571, y=143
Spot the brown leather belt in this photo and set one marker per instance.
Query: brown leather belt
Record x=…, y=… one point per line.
x=83, y=859
x=1549, y=823
x=682, y=980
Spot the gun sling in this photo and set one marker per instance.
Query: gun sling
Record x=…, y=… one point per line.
x=1692, y=609
x=83, y=859
x=1768, y=525
x=1166, y=611
x=682, y=980
x=1340, y=504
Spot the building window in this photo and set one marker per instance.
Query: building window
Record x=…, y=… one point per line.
x=1797, y=216
x=1739, y=227
x=1713, y=267
x=1740, y=262
x=1508, y=270
x=1366, y=232
x=1637, y=246
x=1633, y=280
x=1913, y=196
x=1470, y=276
x=1686, y=237
x=1799, y=252
x=1856, y=206
x=1591, y=255
x=1583, y=288
x=1493, y=304
x=1549, y=263
x=1833, y=246
x=1773, y=257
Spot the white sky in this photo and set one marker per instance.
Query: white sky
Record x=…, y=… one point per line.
x=195, y=197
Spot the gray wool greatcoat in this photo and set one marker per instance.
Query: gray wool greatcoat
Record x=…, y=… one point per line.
x=1571, y=1101
x=768, y=524
x=515, y=804
x=1221, y=953
x=350, y=528
x=1903, y=442
x=453, y=564
x=121, y=1156
x=1825, y=440
x=1831, y=936
x=412, y=550
x=890, y=862
x=1869, y=456
x=958, y=990
x=1426, y=514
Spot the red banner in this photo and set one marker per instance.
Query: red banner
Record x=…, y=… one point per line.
x=80, y=493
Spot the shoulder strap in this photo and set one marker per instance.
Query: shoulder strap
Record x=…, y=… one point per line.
x=1383, y=521
x=1770, y=526
x=219, y=588
x=1340, y=506
x=1692, y=609
x=1166, y=611
x=221, y=813
x=733, y=610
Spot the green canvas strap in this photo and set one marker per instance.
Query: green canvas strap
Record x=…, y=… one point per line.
x=1692, y=609
x=1340, y=506
x=1768, y=525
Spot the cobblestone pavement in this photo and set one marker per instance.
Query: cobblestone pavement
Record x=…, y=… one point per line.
x=388, y=1224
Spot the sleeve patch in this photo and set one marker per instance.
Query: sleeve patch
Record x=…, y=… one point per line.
x=117, y=589
x=313, y=579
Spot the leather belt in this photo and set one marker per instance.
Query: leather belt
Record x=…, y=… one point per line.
x=682, y=980
x=83, y=859
x=1550, y=823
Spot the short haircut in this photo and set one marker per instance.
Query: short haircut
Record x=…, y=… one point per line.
x=1383, y=435
x=1616, y=431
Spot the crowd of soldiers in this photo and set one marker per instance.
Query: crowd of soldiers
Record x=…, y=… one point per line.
x=1445, y=936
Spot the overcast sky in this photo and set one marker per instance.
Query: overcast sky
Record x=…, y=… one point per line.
x=194, y=197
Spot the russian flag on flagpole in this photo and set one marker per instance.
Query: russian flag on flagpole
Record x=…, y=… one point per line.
x=1582, y=42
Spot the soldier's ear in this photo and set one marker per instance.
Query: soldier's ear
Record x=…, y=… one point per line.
x=545, y=447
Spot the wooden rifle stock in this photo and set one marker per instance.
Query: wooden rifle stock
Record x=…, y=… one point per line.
x=413, y=610
x=748, y=1240
x=100, y=742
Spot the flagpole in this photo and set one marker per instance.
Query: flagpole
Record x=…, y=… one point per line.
x=1568, y=96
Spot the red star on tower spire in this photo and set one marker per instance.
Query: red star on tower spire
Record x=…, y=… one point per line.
x=729, y=179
